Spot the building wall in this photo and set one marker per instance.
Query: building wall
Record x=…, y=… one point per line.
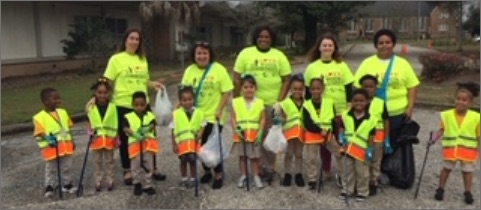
x=18, y=31
x=437, y=21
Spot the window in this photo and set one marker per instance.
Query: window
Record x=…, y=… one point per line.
x=443, y=27
x=403, y=26
x=369, y=24
x=352, y=25
x=422, y=23
x=386, y=23
x=116, y=26
x=444, y=15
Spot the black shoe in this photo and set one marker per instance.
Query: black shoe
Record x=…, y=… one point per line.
x=206, y=178
x=128, y=181
x=312, y=185
x=138, y=189
x=149, y=191
x=48, y=192
x=269, y=177
x=217, y=184
x=439, y=194
x=300, y=180
x=159, y=177
x=372, y=190
x=287, y=179
x=468, y=198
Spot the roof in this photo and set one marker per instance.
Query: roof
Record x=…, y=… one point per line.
x=397, y=9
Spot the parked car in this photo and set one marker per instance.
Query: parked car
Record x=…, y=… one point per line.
x=476, y=39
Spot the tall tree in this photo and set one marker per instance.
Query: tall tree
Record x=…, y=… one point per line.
x=472, y=23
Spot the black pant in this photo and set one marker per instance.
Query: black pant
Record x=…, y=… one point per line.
x=124, y=139
x=205, y=136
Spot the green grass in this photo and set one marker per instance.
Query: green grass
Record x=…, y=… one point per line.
x=439, y=94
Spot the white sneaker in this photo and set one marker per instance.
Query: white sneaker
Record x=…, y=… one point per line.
x=48, y=192
x=69, y=188
x=240, y=183
x=258, y=182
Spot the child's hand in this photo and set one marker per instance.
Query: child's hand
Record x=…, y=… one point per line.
x=258, y=138
x=323, y=133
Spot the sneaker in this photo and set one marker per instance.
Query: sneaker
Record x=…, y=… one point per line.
x=149, y=191
x=137, y=189
x=342, y=196
x=240, y=183
x=439, y=194
x=312, y=185
x=360, y=198
x=159, y=177
x=286, y=181
x=69, y=188
x=338, y=180
x=217, y=184
x=299, y=180
x=468, y=198
x=110, y=187
x=98, y=187
x=184, y=184
x=128, y=180
x=372, y=190
x=48, y=192
x=206, y=178
x=258, y=182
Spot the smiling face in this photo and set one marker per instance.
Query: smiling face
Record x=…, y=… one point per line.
x=326, y=47
x=359, y=102
x=370, y=86
x=385, y=46
x=248, y=90
x=463, y=100
x=132, y=42
x=139, y=105
x=316, y=89
x=101, y=94
x=202, y=56
x=187, y=100
x=264, y=40
x=52, y=101
x=297, y=89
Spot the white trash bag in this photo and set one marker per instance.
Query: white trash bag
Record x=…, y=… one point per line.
x=163, y=108
x=209, y=153
x=275, y=140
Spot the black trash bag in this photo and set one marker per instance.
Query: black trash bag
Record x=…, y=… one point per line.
x=408, y=133
x=400, y=166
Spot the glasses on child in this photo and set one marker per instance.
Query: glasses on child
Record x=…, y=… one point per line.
x=202, y=43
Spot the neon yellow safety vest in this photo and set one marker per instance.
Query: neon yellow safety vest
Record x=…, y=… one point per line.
x=248, y=119
x=376, y=109
x=51, y=125
x=135, y=124
x=360, y=136
x=185, y=129
x=293, y=114
x=460, y=142
x=108, y=126
x=324, y=118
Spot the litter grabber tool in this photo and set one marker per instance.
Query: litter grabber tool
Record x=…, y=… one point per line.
x=320, y=183
x=220, y=150
x=343, y=142
x=244, y=145
x=53, y=142
x=142, y=130
x=424, y=164
x=196, y=180
x=80, y=183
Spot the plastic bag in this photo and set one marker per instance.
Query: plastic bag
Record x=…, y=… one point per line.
x=400, y=167
x=275, y=140
x=210, y=152
x=163, y=108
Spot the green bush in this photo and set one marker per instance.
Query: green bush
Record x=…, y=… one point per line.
x=438, y=67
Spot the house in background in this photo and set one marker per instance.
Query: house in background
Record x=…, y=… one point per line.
x=407, y=19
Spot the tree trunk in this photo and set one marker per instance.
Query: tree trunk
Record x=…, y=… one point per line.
x=310, y=30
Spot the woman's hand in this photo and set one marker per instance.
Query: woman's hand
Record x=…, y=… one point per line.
x=89, y=104
x=409, y=114
x=156, y=85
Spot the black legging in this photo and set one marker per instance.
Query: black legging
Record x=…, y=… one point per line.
x=205, y=136
x=124, y=139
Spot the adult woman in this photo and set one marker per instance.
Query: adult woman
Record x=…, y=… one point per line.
x=402, y=82
x=128, y=71
x=325, y=60
x=272, y=70
x=212, y=86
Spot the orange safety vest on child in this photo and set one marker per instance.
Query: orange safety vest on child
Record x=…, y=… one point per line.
x=185, y=130
x=247, y=118
x=106, y=129
x=460, y=141
x=292, y=128
x=59, y=126
x=322, y=118
x=149, y=144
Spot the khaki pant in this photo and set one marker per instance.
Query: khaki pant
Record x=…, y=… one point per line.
x=268, y=158
x=99, y=156
x=51, y=170
x=357, y=176
x=375, y=165
x=312, y=153
x=139, y=174
x=294, y=149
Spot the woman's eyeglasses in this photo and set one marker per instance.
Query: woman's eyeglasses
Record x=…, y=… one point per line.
x=201, y=43
x=102, y=79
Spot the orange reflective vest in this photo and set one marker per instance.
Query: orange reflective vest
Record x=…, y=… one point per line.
x=357, y=139
x=54, y=127
x=247, y=119
x=292, y=128
x=185, y=130
x=322, y=118
x=376, y=109
x=460, y=142
x=106, y=128
x=149, y=144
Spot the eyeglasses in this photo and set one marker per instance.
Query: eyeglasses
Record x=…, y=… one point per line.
x=181, y=87
x=243, y=76
x=202, y=43
x=102, y=79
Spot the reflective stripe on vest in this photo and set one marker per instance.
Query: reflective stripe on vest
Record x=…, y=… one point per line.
x=292, y=128
x=248, y=120
x=50, y=125
x=135, y=124
x=324, y=118
x=106, y=128
x=460, y=142
x=357, y=139
x=185, y=129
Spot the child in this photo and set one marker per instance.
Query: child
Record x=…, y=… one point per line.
x=139, y=126
x=317, y=116
x=459, y=128
x=248, y=120
x=187, y=128
x=377, y=108
x=293, y=130
x=358, y=128
x=52, y=129
x=103, y=122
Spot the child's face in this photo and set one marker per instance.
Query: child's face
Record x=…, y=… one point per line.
x=187, y=100
x=359, y=102
x=297, y=89
x=52, y=101
x=463, y=101
x=248, y=89
x=369, y=86
x=101, y=94
x=316, y=89
x=139, y=105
